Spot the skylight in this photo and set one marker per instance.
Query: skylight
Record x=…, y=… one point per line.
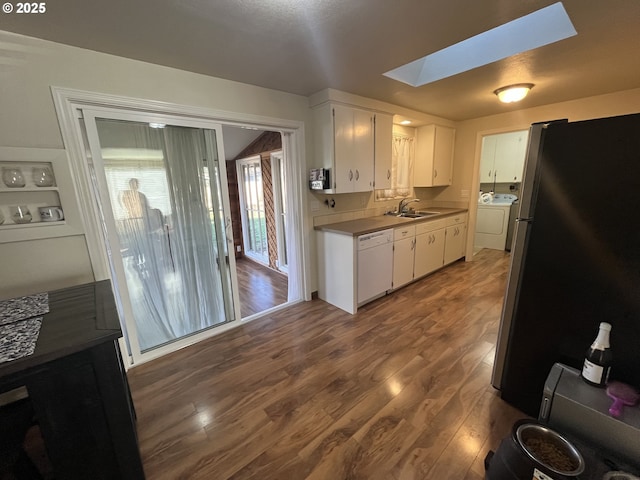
x=542, y=27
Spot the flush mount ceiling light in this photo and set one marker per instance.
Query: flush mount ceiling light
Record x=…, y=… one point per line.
x=513, y=93
x=542, y=27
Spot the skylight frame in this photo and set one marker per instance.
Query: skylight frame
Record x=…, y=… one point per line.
x=542, y=27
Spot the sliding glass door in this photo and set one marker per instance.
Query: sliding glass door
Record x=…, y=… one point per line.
x=165, y=217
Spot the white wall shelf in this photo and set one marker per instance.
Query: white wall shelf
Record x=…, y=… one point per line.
x=32, y=191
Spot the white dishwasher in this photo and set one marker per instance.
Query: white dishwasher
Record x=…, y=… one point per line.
x=375, y=264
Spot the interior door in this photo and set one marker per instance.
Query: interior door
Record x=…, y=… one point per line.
x=166, y=221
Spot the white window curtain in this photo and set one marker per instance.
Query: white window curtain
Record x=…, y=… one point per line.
x=168, y=243
x=401, y=169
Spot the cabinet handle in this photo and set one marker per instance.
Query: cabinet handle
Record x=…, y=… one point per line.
x=413, y=244
x=435, y=173
x=350, y=175
x=388, y=174
x=357, y=175
x=489, y=174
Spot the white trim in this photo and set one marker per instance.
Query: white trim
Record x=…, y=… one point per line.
x=68, y=104
x=277, y=158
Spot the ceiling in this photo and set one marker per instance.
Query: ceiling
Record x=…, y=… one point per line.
x=304, y=46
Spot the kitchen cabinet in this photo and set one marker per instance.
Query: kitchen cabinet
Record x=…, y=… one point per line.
x=358, y=263
x=383, y=150
x=455, y=235
x=404, y=243
x=31, y=178
x=502, y=157
x=433, y=164
x=430, y=242
x=354, y=270
x=337, y=270
x=344, y=143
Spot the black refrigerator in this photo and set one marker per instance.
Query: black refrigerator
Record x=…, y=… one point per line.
x=575, y=257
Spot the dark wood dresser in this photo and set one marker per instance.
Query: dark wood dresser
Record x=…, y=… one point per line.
x=78, y=386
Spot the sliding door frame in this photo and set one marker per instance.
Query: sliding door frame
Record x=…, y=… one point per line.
x=110, y=238
x=69, y=105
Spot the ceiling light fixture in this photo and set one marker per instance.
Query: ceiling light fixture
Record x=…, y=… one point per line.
x=405, y=122
x=513, y=93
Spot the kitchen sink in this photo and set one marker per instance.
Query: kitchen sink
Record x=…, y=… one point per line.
x=419, y=214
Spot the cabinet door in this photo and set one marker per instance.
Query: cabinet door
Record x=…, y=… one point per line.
x=429, y=254
x=403, y=254
x=509, y=156
x=363, y=151
x=383, y=151
x=443, y=155
x=344, y=148
x=454, y=243
x=520, y=155
x=434, y=156
x=487, y=158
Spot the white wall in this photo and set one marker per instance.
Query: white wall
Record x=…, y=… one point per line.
x=29, y=67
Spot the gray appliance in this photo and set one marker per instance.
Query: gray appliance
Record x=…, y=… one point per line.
x=572, y=407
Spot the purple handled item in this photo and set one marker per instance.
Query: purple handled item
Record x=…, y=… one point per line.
x=622, y=395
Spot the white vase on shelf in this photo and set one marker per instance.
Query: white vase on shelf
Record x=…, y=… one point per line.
x=42, y=176
x=12, y=177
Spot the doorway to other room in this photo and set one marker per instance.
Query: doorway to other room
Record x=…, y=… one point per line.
x=258, y=192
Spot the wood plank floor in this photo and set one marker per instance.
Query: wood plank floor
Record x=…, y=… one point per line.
x=399, y=391
x=260, y=287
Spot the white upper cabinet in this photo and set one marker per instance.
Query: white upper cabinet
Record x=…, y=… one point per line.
x=383, y=150
x=487, y=158
x=502, y=157
x=434, y=156
x=344, y=142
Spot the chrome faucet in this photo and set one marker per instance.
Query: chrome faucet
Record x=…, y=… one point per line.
x=403, y=204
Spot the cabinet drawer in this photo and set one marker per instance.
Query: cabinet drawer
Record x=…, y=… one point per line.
x=404, y=232
x=425, y=227
x=456, y=219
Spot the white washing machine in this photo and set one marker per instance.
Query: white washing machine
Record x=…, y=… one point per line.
x=492, y=221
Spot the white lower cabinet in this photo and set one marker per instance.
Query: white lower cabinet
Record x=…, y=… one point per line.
x=404, y=244
x=418, y=249
x=429, y=252
x=455, y=236
x=425, y=247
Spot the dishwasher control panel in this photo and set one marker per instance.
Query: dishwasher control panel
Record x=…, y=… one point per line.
x=374, y=239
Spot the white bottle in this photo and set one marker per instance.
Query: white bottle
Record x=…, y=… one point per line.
x=597, y=361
